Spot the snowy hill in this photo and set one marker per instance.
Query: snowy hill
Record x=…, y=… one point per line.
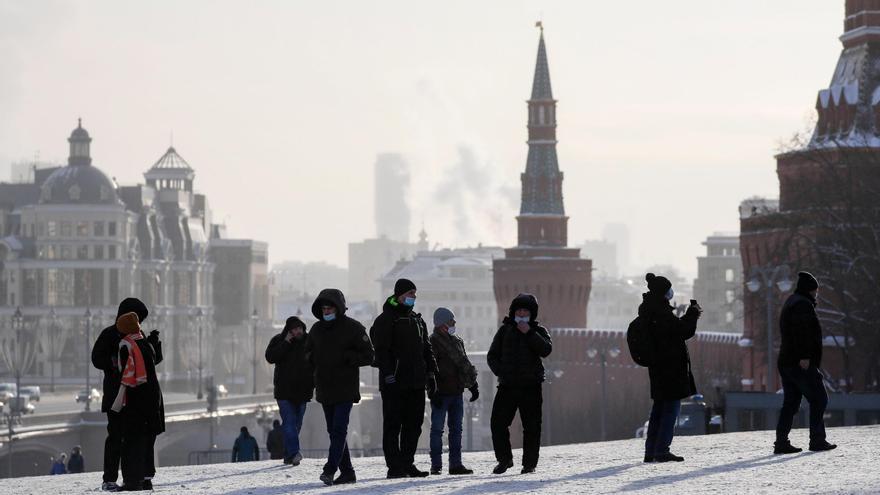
x=729, y=463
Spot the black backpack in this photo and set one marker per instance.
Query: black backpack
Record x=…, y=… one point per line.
x=640, y=343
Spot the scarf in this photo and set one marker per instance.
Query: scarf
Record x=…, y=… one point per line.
x=134, y=371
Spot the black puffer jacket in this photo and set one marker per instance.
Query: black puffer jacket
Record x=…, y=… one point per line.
x=403, y=347
x=515, y=357
x=105, y=352
x=801, y=331
x=144, y=408
x=671, y=377
x=293, y=377
x=335, y=350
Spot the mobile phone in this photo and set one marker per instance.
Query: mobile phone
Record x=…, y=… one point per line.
x=693, y=302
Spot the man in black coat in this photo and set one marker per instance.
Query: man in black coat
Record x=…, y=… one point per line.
x=515, y=358
x=294, y=383
x=337, y=346
x=670, y=373
x=800, y=357
x=275, y=441
x=105, y=357
x=406, y=369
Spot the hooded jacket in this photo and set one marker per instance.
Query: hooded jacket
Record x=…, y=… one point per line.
x=335, y=350
x=245, y=448
x=515, y=357
x=293, y=376
x=800, y=330
x=105, y=352
x=671, y=377
x=455, y=372
x=403, y=348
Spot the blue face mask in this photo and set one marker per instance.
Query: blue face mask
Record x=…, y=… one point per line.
x=521, y=319
x=670, y=294
x=409, y=301
x=330, y=317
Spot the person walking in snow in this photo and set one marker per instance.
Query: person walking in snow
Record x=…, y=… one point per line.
x=515, y=358
x=76, y=464
x=670, y=370
x=275, y=441
x=245, y=448
x=800, y=356
x=455, y=373
x=407, y=369
x=337, y=347
x=294, y=385
x=58, y=464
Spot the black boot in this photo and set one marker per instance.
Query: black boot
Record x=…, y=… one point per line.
x=436, y=470
x=414, y=472
x=345, y=478
x=527, y=470
x=326, y=478
x=502, y=467
x=822, y=447
x=147, y=485
x=460, y=470
x=396, y=473
x=786, y=448
x=668, y=457
x=134, y=486
x=649, y=458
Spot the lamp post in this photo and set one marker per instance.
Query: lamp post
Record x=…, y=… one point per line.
x=199, y=315
x=766, y=278
x=254, y=319
x=17, y=326
x=554, y=374
x=603, y=354
x=88, y=317
x=53, y=327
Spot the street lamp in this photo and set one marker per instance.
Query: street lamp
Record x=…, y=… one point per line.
x=603, y=354
x=766, y=278
x=88, y=317
x=199, y=315
x=254, y=319
x=53, y=318
x=17, y=326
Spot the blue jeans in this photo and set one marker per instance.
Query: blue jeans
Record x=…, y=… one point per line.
x=338, y=457
x=291, y=423
x=661, y=426
x=451, y=410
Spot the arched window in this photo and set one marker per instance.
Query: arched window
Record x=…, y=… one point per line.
x=541, y=115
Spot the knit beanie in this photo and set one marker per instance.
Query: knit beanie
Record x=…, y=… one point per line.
x=658, y=285
x=402, y=286
x=806, y=282
x=443, y=316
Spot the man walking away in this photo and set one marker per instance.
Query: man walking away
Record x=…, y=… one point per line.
x=76, y=464
x=58, y=464
x=245, y=448
x=337, y=347
x=455, y=373
x=515, y=358
x=275, y=441
x=800, y=357
x=294, y=384
x=406, y=369
x=670, y=370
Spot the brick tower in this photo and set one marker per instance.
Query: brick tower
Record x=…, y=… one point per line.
x=541, y=263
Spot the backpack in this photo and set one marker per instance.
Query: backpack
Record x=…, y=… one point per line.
x=641, y=345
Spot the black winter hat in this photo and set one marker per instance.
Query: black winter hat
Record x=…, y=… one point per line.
x=658, y=285
x=806, y=282
x=133, y=305
x=524, y=301
x=292, y=323
x=402, y=286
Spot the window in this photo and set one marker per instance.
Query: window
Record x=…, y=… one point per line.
x=51, y=229
x=66, y=253
x=111, y=252
x=82, y=229
x=729, y=275
x=99, y=228
x=730, y=296
x=729, y=317
x=66, y=229
x=99, y=252
x=111, y=228
x=82, y=252
x=541, y=115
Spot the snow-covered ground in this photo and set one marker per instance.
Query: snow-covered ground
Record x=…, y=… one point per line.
x=730, y=463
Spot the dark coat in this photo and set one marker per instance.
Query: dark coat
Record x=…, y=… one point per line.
x=105, y=352
x=455, y=372
x=335, y=350
x=403, y=348
x=293, y=377
x=671, y=377
x=515, y=357
x=801, y=332
x=245, y=448
x=145, y=408
x=76, y=464
x=58, y=467
x=275, y=443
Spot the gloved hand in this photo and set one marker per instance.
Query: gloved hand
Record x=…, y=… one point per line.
x=475, y=392
x=153, y=338
x=431, y=386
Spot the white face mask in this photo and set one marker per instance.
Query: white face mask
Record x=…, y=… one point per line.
x=451, y=330
x=522, y=319
x=670, y=294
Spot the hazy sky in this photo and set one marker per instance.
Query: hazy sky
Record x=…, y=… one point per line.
x=669, y=112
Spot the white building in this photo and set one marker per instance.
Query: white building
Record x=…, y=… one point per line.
x=370, y=259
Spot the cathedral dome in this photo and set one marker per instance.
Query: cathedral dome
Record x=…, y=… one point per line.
x=79, y=182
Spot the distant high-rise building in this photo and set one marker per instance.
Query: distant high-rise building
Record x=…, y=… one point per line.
x=719, y=283
x=392, y=187
x=371, y=259
x=618, y=234
x=541, y=263
x=604, y=256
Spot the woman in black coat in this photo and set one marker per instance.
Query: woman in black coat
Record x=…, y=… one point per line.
x=670, y=373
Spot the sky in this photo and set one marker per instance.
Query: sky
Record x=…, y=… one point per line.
x=670, y=113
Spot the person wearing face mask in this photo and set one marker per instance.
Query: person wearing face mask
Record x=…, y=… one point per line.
x=670, y=370
x=407, y=368
x=455, y=374
x=336, y=347
x=515, y=358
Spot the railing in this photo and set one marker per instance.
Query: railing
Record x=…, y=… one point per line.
x=217, y=456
